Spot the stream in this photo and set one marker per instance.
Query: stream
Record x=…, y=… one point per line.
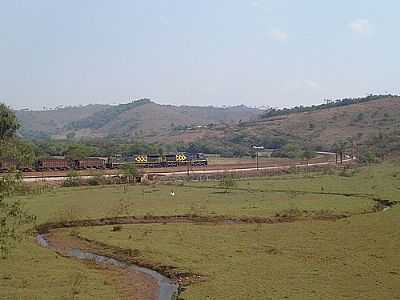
x=167, y=288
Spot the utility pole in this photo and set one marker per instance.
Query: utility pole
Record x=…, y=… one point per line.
x=257, y=148
x=257, y=160
x=188, y=164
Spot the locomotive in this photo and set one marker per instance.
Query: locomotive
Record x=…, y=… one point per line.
x=140, y=161
x=170, y=160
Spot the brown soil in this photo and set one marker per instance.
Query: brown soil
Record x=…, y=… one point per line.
x=46, y=228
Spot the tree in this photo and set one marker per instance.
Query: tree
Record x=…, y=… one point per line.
x=15, y=149
x=12, y=214
x=8, y=123
x=77, y=151
x=131, y=172
x=291, y=151
x=339, y=147
x=308, y=154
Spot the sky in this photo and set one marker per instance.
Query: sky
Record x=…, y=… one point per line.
x=212, y=52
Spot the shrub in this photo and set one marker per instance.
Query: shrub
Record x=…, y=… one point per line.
x=73, y=179
x=96, y=180
x=116, y=228
x=227, y=182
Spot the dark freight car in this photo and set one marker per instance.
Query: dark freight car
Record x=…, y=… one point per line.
x=8, y=165
x=90, y=163
x=53, y=164
x=26, y=167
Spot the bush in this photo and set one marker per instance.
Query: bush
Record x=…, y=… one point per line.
x=227, y=182
x=73, y=179
x=96, y=180
x=116, y=228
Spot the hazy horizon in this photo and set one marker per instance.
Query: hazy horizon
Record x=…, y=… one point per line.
x=61, y=106
x=226, y=53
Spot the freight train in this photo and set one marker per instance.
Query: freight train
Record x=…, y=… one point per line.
x=140, y=161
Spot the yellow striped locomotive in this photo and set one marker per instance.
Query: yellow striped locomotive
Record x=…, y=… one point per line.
x=170, y=160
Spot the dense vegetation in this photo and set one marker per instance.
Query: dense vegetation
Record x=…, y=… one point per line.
x=104, y=148
x=101, y=118
x=96, y=147
x=12, y=215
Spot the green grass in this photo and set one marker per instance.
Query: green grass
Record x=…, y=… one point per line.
x=32, y=272
x=82, y=203
x=232, y=253
x=255, y=197
x=381, y=180
x=356, y=258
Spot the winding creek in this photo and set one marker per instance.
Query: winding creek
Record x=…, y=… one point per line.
x=167, y=288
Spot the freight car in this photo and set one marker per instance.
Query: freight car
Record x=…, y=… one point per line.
x=89, y=163
x=53, y=164
x=7, y=165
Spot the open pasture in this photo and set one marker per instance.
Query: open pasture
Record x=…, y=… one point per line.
x=239, y=261
x=354, y=258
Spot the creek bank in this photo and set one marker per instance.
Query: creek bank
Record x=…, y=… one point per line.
x=162, y=287
x=170, y=281
x=191, y=218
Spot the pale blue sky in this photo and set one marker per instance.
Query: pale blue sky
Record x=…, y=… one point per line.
x=220, y=52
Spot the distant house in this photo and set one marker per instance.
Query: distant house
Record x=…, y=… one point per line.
x=267, y=152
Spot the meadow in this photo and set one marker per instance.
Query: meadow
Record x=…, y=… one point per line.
x=355, y=258
x=307, y=259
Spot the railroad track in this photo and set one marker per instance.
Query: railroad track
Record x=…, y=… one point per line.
x=237, y=169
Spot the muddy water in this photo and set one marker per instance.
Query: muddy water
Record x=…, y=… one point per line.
x=167, y=288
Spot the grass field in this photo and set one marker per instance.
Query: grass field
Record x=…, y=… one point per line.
x=254, y=197
x=241, y=261
x=306, y=260
x=35, y=273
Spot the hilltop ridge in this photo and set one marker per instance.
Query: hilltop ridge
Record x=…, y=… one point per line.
x=142, y=117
